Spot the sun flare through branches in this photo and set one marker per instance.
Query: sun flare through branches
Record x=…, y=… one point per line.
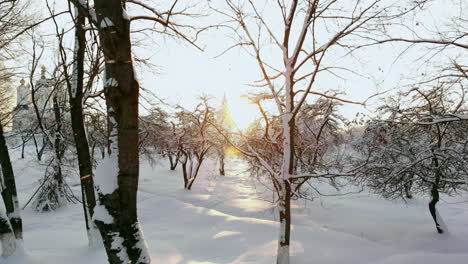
x=242, y=113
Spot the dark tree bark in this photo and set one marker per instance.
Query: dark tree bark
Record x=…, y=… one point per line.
x=194, y=168
x=173, y=162
x=75, y=88
x=435, y=196
x=221, y=162
x=122, y=93
x=7, y=237
x=408, y=192
x=184, y=171
x=433, y=209
x=23, y=145
x=190, y=174
x=9, y=193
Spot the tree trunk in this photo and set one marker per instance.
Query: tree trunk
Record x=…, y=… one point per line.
x=23, y=145
x=221, y=162
x=173, y=163
x=408, y=192
x=439, y=222
x=432, y=208
x=75, y=95
x=284, y=208
x=38, y=153
x=7, y=236
x=120, y=228
x=184, y=172
x=194, y=170
x=57, y=164
x=9, y=194
x=287, y=169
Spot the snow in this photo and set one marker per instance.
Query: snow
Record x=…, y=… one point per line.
x=106, y=180
x=106, y=175
x=125, y=15
x=117, y=244
x=106, y=22
x=228, y=220
x=111, y=82
x=101, y=214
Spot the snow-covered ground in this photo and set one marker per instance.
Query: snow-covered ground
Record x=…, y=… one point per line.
x=226, y=220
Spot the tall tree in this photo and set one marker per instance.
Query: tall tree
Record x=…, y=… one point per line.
x=75, y=84
x=116, y=213
x=304, y=44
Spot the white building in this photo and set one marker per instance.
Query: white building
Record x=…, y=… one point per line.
x=24, y=113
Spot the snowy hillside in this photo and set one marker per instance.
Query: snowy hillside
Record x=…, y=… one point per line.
x=225, y=220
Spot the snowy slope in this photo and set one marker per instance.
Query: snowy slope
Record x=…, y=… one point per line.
x=227, y=220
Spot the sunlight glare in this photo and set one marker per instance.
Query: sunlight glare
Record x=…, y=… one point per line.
x=243, y=113
x=231, y=151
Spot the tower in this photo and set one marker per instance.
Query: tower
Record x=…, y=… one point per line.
x=21, y=113
x=23, y=99
x=24, y=115
x=42, y=91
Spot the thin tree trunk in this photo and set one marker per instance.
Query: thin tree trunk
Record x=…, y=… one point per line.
x=433, y=209
x=439, y=222
x=184, y=172
x=173, y=162
x=38, y=155
x=75, y=95
x=23, y=145
x=194, y=173
x=9, y=194
x=170, y=161
x=221, y=162
x=45, y=141
x=408, y=192
x=58, y=176
x=287, y=170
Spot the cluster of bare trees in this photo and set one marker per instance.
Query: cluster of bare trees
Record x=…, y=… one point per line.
x=420, y=148
x=310, y=34
x=187, y=137
x=102, y=45
x=13, y=22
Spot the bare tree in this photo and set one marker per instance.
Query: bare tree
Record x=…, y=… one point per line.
x=78, y=88
x=195, y=141
x=13, y=23
x=419, y=147
x=310, y=32
x=116, y=214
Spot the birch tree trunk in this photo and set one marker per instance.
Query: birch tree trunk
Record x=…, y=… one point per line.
x=284, y=208
x=58, y=175
x=287, y=168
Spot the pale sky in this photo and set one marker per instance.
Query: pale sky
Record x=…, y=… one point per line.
x=184, y=73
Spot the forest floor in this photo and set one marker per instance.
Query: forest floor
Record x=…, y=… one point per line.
x=228, y=219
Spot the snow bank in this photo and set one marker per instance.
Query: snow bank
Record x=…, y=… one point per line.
x=228, y=220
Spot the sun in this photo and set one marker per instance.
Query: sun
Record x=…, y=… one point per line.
x=243, y=113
